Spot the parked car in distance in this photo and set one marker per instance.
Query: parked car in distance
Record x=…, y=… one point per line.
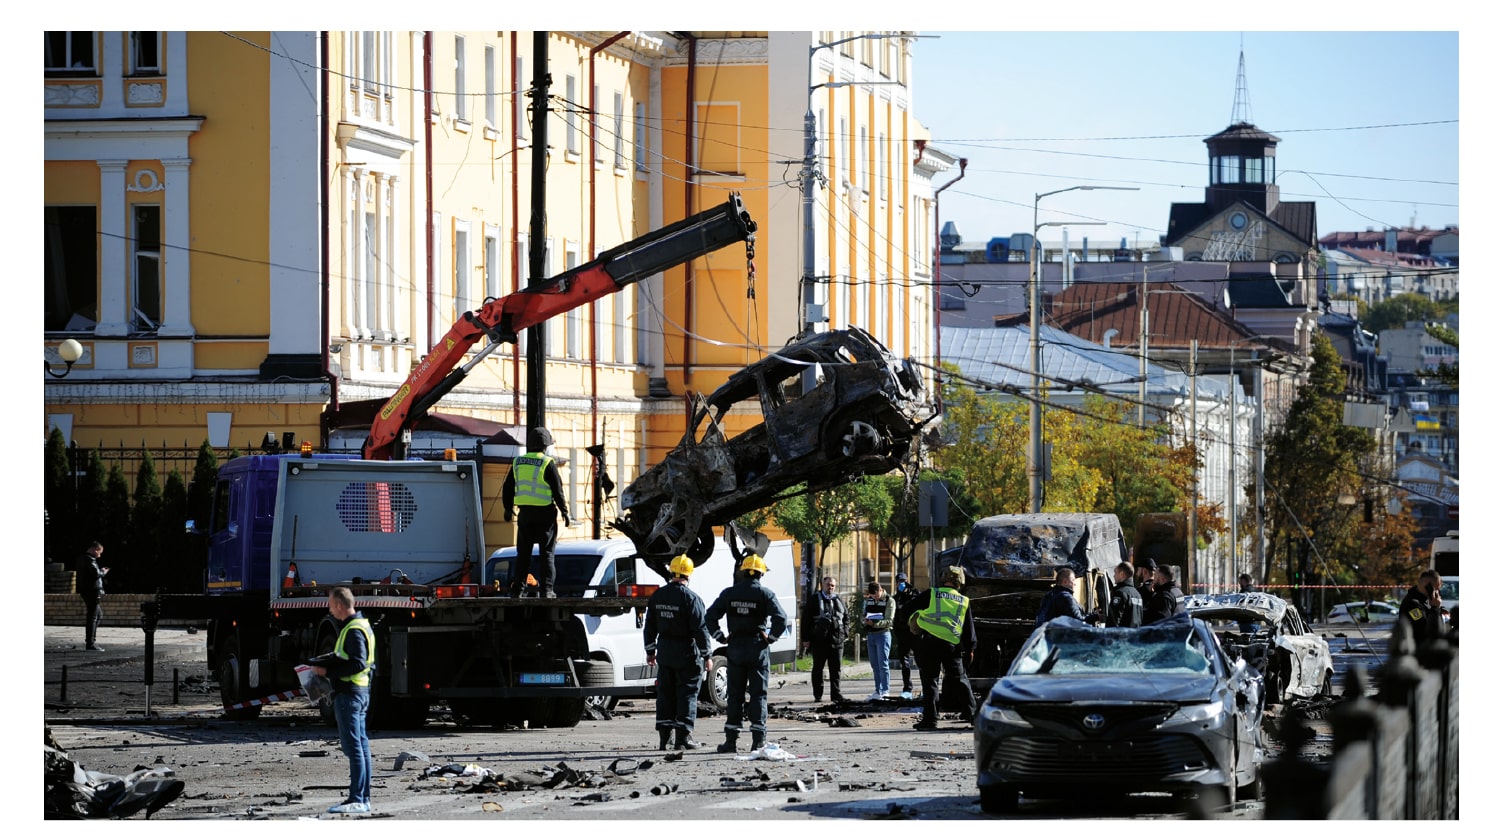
x=1120, y=709
x=1360, y=612
x=1270, y=635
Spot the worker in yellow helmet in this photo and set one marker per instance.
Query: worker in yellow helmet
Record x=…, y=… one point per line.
x=755, y=620
x=678, y=645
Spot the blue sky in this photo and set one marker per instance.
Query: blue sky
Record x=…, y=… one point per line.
x=1035, y=112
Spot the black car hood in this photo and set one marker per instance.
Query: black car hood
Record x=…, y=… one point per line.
x=1122, y=688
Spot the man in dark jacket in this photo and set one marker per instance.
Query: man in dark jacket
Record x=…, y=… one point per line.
x=825, y=620
x=944, y=628
x=678, y=644
x=1422, y=608
x=1125, y=603
x=1166, y=597
x=1059, y=600
x=755, y=620
x=903, y=648
x=534, y=486
x=91, y=589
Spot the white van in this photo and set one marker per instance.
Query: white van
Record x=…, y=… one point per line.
x=592, y=568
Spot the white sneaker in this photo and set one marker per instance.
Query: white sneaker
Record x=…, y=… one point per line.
x=879, y=695
x=350, y=808
x=906, y=695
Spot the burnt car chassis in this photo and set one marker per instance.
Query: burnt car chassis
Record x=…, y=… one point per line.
x=858, y=419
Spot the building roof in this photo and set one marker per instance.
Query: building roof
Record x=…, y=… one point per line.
x=1177, y=316
x=1298, y=218
x=1408, y=240
x=1399, y=259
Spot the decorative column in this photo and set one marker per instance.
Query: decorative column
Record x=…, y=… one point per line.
x=114, y=250
x=176, y=265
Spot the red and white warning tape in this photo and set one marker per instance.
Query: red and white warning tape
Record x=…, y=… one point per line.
x=262, y=701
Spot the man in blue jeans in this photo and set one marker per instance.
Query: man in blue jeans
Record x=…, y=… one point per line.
x=877, y=612
x=348, y=667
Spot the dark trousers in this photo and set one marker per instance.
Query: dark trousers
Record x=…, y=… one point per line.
x=92, y=615
x=748, y=675
x=936, y=657
x=677, y=696
x=536, y=526
x=901, y=652
x=832, y=656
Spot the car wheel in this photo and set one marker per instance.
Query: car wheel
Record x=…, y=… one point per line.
x=716, y=686
x=1251, y=791
x=1326, y=690
x=231, y=690
x=593, y=674
x=998, y=799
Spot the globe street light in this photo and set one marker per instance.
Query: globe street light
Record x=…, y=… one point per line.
x=1034, y=462
x=70, y=351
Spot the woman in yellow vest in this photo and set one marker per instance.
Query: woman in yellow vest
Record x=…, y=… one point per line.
x=943, y=631
x=534, y=486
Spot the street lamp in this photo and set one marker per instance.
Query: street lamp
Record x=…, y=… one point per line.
x=70, y=351
x=1034, y=463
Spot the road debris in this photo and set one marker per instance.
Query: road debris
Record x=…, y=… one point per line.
x=410, y=755
x=72, y=792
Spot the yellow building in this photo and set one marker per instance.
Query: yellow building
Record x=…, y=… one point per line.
x=253, y=232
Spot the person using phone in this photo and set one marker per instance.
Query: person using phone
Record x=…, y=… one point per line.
x=1422, y=608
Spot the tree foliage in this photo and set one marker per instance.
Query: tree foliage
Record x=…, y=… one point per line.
x=1394, y=312
x=827, y=516
x=903, y=531
x=1312, y=463
x=146, y=527
x=1447, y=374
x=114, y=530
x=58, y=497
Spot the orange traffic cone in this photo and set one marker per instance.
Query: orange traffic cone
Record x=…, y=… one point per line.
x=291, y=577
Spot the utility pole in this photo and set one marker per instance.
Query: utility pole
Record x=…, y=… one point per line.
x=1193, y=436
x=536, y=336
x=1145, y=331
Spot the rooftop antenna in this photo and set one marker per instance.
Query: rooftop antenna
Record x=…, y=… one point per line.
x=1241, y=93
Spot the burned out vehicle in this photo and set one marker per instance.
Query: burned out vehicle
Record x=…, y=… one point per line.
x=1159, y=708
x=1272, y=637
x=858, y=419
x=1009, y=562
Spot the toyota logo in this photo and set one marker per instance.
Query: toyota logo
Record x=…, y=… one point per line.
x=1093, y=721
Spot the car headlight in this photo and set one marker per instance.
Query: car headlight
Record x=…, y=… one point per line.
x=1003, y=714
x=1198, y=713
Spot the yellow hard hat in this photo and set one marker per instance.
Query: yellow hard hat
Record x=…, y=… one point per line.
x=753, y=563
x=681, y=565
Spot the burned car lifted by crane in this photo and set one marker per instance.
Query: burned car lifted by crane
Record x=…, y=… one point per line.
x=857, y=419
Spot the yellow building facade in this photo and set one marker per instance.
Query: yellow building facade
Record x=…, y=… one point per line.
x=253, y=231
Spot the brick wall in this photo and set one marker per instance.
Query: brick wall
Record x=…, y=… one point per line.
x=65, y=610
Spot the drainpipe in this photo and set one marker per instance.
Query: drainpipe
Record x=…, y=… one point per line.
x=687, y=210
x=427, y=186
x=937, y=286
x=593, y=248
x=323, y=237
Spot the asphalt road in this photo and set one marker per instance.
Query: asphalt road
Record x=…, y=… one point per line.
x=860, y=761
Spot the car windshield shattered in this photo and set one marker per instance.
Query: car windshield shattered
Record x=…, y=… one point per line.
x=1066, y=647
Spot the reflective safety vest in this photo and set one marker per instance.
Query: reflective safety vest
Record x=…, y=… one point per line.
x=944, y=616
x=363, y=625
x=530, y=471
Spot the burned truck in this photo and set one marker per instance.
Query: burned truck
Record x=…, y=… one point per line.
x=1010, y=562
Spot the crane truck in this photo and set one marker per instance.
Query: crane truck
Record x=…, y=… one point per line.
x=406, y=537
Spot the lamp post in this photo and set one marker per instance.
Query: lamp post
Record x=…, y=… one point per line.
x=70, y=351
x=1034, y=462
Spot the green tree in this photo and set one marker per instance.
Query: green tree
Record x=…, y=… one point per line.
x=91, y=491
x=114, y=522
x=179, y=560
x=1311, y=463
x=145, y=527
x=1447, y=374
x=902, y=531
x=1141, y=470
x=824, y=517
x=1394, y=312
x=201, y=489
x=59, y=497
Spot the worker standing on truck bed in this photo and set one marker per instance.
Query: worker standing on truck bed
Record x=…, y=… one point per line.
x=678, y=644
x=534, y=485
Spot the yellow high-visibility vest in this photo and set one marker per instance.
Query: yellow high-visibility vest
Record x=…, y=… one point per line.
x=944, y=616
x=530, y=471
x=363, y=625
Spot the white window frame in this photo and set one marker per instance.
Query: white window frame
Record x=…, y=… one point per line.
x=880, y=169
x=489, y=86
x=640, y=137
x=619, y=143
x=620, y=317
x=134, y=42
x=594, y=132
x=462, y=260
x=573, y=326
x=570, y=116
x=518, y=106
x=141, y=258
x=369, y=72
x=494, y=270
x=69, y=58
x=460, y=70
x=523, y=245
